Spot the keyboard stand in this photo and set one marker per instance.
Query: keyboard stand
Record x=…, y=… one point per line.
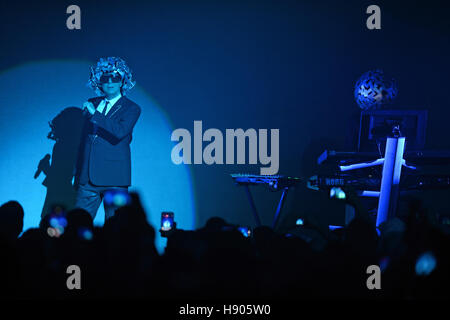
x=252, y=205
x=392, y=168
x=255, y=212
x=390, y=180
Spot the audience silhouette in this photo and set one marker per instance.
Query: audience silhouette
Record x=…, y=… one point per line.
x=120, y=260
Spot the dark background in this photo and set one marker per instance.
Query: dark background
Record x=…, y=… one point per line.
x=290, y=65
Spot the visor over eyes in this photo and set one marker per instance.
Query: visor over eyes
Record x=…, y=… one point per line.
x=115, y=78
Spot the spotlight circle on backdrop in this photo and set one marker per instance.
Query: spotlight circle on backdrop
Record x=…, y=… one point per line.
x=41, y=106
x=374, y=91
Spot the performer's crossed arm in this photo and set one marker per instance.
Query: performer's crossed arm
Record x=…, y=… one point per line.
x=119, y=128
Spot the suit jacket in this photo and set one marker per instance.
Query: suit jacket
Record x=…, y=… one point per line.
x=104, y=154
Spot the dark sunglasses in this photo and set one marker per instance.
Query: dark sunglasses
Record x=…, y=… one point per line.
x=115, y=78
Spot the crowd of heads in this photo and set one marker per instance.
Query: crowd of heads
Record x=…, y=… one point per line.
x=120, y=260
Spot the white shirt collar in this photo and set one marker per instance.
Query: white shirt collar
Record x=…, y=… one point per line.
x=113, y=101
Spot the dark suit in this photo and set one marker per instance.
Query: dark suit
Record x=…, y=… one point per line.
x=104, y=160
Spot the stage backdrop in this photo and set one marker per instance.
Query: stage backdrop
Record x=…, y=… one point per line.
x=287, y=65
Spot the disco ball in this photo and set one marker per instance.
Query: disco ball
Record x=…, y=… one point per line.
x=374, y=91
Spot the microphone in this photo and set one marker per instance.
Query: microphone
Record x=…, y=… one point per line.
x=43, y=165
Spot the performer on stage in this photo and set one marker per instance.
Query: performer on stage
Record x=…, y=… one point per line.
x=104, y=159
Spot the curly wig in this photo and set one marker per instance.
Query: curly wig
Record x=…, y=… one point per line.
x=110, y=65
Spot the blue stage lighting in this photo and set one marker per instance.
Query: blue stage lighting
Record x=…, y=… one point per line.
x=85, y=234
x=384, y=263
x=425, y=264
